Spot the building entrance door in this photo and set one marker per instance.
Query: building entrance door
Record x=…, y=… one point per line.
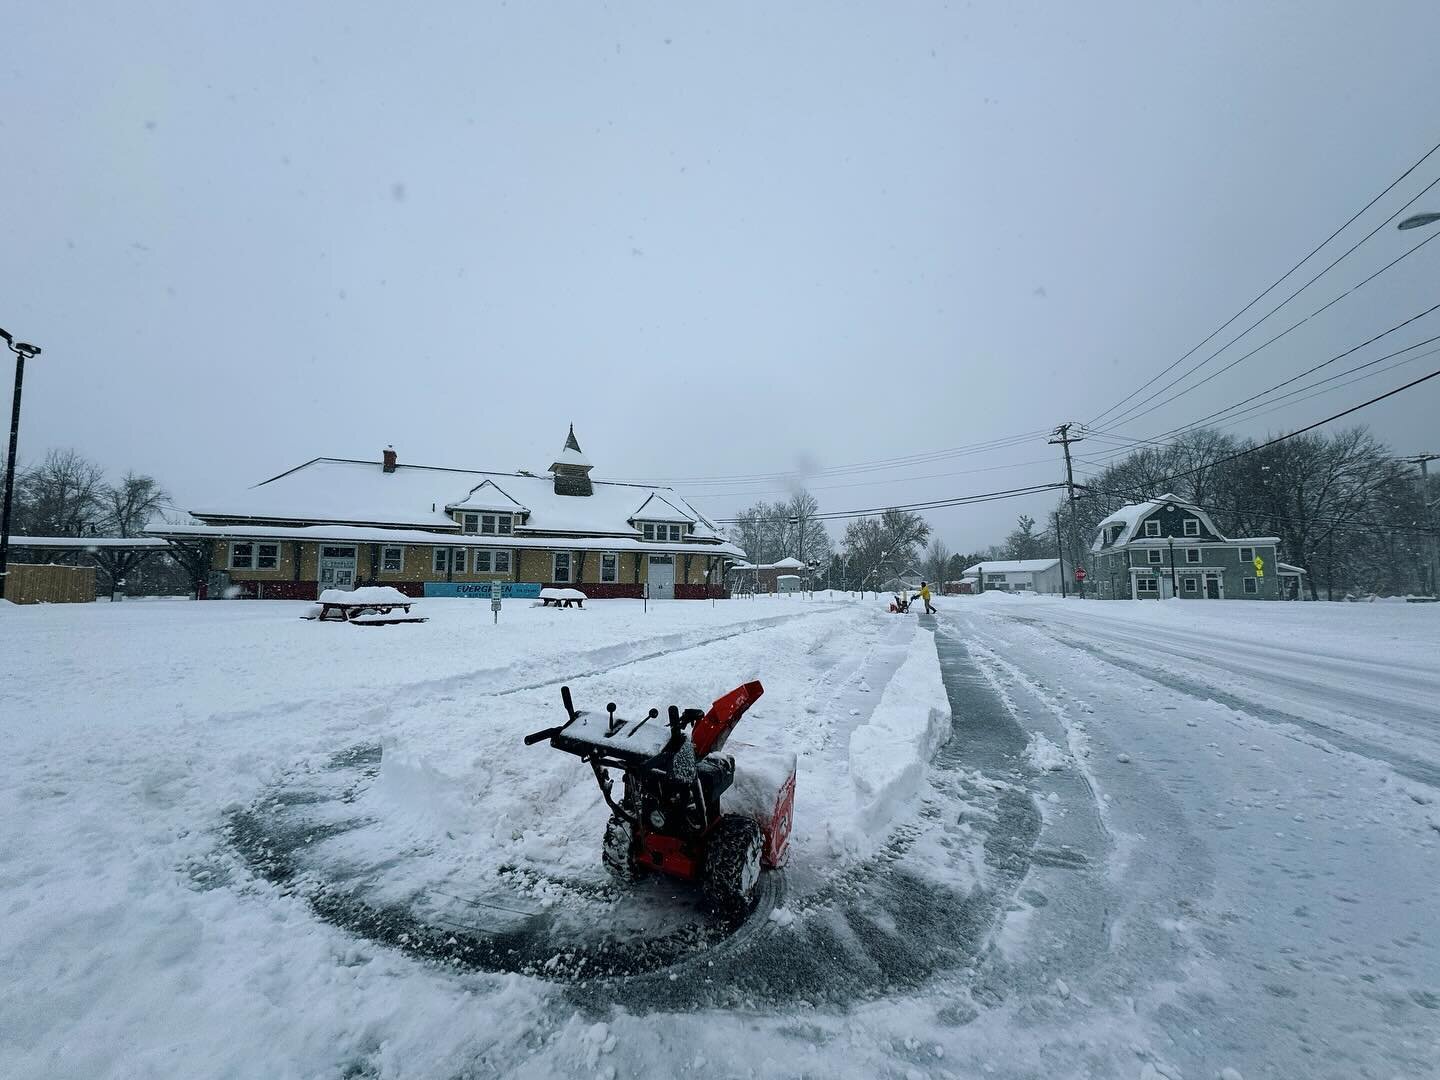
x=662, y=577
x=1212, y=586
x=337, y=568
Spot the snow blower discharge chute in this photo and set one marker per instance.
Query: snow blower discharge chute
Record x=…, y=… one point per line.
x=668, y=817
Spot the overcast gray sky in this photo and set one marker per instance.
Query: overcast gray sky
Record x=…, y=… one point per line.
x=730, y=240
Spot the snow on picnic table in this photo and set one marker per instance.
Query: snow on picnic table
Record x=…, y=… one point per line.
x=378, y=595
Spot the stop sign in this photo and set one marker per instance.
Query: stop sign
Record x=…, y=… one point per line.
x=1079, y=573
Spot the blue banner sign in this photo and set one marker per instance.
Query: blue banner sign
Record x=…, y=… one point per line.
x=480, y=590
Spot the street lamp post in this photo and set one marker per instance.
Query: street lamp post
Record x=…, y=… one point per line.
x=22, y=353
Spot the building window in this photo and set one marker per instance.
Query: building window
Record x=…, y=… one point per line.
x=1247, y=554
x=470, y=523
x=1192, y=526
x=647, y=530
x=609, y=566
x=495, y=524
x=491, y=562
x=251, y=556
x=1147, y=585
x=501, y=562
x=1191, y=585
x=561, y=567
x=1192, y=555
x=458, y=560
x=1152, y=528
x=675, y=534
x=442, y=559
x=392, y=559
x=1156, y=556
x=1251, y=586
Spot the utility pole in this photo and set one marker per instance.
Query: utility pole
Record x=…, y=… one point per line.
x=23, y=352
x=1426, y=508
x=1060, y=548
x=1063, y=438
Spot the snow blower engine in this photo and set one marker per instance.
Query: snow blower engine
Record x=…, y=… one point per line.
x=669, y=816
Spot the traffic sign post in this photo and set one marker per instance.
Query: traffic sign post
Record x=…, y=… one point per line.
x=1080, y=580
x=495, y=590
x=1259, y=567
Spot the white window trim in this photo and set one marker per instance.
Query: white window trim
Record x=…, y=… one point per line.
x=1191, y=584
x=264, y=544
x=495, y=554
x=1152, y=559
x=248, y=565
x=555, y=557
x=1244, y=561
x=1148, y=525
x=1198, y=556
x=384, y=549
x=615, y=576
x=1251, y=586
x=496, y=517
x=440, y=560
x=1192, y=526
x=458, y=560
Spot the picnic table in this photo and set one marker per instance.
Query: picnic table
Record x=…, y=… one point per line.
x=369, y=606
x=562, y=598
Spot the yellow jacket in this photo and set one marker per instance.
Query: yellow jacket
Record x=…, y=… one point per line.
x=925, y=593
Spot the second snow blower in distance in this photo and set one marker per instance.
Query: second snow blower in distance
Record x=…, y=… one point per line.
x=669, y=816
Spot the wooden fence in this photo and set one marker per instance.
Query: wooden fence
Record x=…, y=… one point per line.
x=34, y=583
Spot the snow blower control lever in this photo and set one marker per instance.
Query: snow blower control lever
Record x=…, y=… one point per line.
x=668, y=818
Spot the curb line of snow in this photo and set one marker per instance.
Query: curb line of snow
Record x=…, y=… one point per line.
x=889, y=753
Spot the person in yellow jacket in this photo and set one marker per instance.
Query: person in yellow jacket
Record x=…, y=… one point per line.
x=925, y=595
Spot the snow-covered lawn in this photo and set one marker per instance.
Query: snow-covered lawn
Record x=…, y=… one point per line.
x=1163, y=840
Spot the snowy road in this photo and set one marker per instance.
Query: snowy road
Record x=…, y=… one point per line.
x=1163, y=840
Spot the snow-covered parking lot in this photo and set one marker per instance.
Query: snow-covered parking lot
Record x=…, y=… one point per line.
x=1161, y=840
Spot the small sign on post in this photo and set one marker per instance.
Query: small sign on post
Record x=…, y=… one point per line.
x=495, y=589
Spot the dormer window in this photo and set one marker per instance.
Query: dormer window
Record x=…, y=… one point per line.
x=662, y=532
x=1152, y=528
x=487, y=524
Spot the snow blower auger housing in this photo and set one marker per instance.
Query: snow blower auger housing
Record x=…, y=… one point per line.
x=668, y=817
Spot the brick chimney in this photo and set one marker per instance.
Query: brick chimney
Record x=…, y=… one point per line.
x=387, y=456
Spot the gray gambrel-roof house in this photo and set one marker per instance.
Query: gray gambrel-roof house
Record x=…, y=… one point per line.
x=1170, y=547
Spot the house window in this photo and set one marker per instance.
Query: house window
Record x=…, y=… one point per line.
x=501, y=562
x=1251, y=586
x=1191, y=585
x=491, y=562
x=1152, y=528
x=1156, y=556
x=562, y=567
x=459, y=560
x=470, y=523
x=1147, y=585
x=647, y=531
x=442, y=559
x=1192, y=526
x=392, y=559
x=250, y=556
x=609, y=566
x=674, y=534
x=1192, y=555
x=482, y=561
x=1247, y=554
x=495, y=524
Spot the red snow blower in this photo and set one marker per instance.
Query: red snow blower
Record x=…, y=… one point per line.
x=669, y=817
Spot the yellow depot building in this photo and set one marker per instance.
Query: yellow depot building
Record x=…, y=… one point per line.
x=335, y=523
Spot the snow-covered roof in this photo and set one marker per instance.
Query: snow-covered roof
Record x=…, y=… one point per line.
x=658, y=508
x=488, y=496
x=361, y=534
x=783, y=564
x=1010, y=566
x=343, y=491
x=88, y=542
x=1286, y=568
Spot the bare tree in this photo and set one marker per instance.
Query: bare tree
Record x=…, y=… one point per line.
x=130, y=504
x=62, y=496
x=936, y=564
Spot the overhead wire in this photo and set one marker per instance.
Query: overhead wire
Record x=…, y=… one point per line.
x=1268, y=289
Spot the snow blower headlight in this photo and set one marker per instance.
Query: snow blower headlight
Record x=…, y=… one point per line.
x=657, y=819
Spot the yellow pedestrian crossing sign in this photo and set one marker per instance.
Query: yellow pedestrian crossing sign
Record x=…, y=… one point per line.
x=1259, y=566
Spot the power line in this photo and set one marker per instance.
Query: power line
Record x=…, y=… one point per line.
x=1332, y=520
x=934, y=504
x=1132, y=413
x=1201, y=344
x=1299, y=431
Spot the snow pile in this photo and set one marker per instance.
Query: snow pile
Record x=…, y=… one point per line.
x=888, y=754
x=370, y=594
x=1044, y=754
